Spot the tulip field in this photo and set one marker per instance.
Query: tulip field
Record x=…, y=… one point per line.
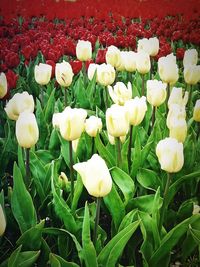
x=99, y=133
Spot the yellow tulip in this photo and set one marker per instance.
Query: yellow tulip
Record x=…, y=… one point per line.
x=196, y=112
x=84, y=50
x=42, y=73
x=156, y=92
x=93, y=125
x=113, y=56
x=192, y=74
x=178, y=129
x=176, y=97
x=105, y=74
x=143, y=63
x=120, y=93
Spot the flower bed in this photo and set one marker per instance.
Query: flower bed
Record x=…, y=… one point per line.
x=99, y=134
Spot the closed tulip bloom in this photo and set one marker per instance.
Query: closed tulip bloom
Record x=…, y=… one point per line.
x=93, y=125
x=113, y=56
x=64, y=73
x=91, y=70
x=168, y=69
x=105, y=74
x=3, y=85
x=19, y=103
x=84, y=50
x=156, y=92
x=176, y=112
x=121, y=65
x=117, y=121
x=2, y=221
x=43, y=73
x=170, y=154
x=192, y=74
x=72, y=123
x=95, y=176
x=120, y=93
x=56, y=119
x=143, y=63
x=178, y=129
x=136, y=108
x=150, y=46
x=190, y=57
x=129, y=61
x=176, y=97
x=27, y=131
x=196, y=111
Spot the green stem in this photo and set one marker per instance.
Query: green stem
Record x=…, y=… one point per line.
x=27, y=163
x=142, y=84
x=65, y=96
x=168, y=92
x=42, y=95
x=84, y=73
x=71, y=170
x=151, y=68
x=153, y=116
x=129, y=147
x=164, y=205
x=93, y=145
x=118, y=148
x=198, y=130
x=189, y=99
x=106, y=97
x=98, y=205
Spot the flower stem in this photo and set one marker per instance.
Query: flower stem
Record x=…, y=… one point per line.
x=142, y=84
x=118, y=148
x=65, y=96
x=106, y=97
x=164, y=206
x=189, y=99
x=153, y=116
x=27, y=163
x=129, y=147
x=98, y=205
x=42, y=96
x=168, y=93
x=93, y=145
x=151, y=68
x=84, y=72
x=71, y=170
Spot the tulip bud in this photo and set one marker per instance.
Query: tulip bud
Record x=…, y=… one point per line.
x=170, y=154
x=113, y=56
x=43, y=73
x=196, y=209
x=93, y=125
x=63, y=181
x=196, y=112
x=143, y=63
x=176, y=97
x=105, y=74
x=156, y=92
x=168, y=69
x=98, y=182
x=84, y=50
x=72, y=123
x=19, y=103
x=120, y=93
x=136, y=108
x=150, y=46
x=91, y=70
x=190, y=57
x=129, y=60
x=2, y=221
x=192, y=74
x=117, y=120
x=175, y=112
x=3, y=85
x=178, y=129
x=27, y=131
x=64, y=73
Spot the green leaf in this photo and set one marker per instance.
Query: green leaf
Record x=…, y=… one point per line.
x=77, y=193
x=56, y=260
x=129, y=218
x=148, y=179
x=21, y=203
x=136, y=162
x=104, y=153
x=49, y=107
x=196, y=235
x=62, y=209
x=21, y=162
x=12, y=262
x=27, y=258
x=111, y=252
x=171, y=239
x=124, y=182
x=88, y=247
x=115, y=206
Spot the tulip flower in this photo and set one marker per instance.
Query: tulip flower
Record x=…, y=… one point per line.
x=27, y=131
x=112, y=139
x=19, y=103
x=156, y=92
x=196, y=111
x=176, y=97
x=121, y=65
x=3, y=85
x=105, y=74
x=129, y=60
x=93, y=125
x=43, y=73
x=84, y=50
x=143, y=63
x=91, y=70
x=120, y=93
x=192, y=74
x=190, y=57
x=2, y=221
x=178, y=129
x=113, y=56
x=150, y=46
x=175, y=112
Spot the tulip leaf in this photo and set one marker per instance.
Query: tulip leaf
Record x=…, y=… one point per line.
x=136, y=159
x=88, y=247
x=111, y=252
x=62, y=209
x=49, y=107
x=104, y=153
x=124, y=182
x=57, y=261
x=80, y=94
x=21, y=162
x=196, y=235
x=148, y=179
x=115, y=205
x=77, y=193
x=12, y=262
x=170, y=240
x=21, y=203
x=129, y=218
x=43, y=130
x=27, y=258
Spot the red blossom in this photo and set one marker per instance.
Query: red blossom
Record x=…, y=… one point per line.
x=76, y=66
